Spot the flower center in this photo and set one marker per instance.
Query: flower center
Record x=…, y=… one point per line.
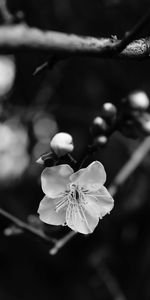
x=76, y=205
x=74, y=196
x=74, y=193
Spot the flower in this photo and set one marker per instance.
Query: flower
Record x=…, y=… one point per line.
x=77, y=199
x=62, y=143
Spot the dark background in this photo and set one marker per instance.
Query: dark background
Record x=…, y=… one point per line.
x=114, y=262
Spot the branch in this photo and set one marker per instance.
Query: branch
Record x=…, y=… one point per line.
x=26, y=227
x=21, y=38
x=115, y=48
x=135, y=160
x=129, y=36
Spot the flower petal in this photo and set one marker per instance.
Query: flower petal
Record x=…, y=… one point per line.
x=84, y=218
x=101, y=201
x=54, y=180
x=81, y=220
x=90, y=178
x=48, y=213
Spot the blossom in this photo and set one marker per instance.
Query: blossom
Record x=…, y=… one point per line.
x=77, y=200
x=62, y=143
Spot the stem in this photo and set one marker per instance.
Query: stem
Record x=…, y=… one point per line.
x=61, y=242
x=110, y=282
x=132, y=34
x=83, y=161
x=90, y=150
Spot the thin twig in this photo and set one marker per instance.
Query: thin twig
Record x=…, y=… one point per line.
x=5, y=14
x=61, y=242
x=23, y=225
x=110, y=282
x=129, y=36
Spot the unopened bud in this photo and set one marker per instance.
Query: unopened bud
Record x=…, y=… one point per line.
x=100, y=141
x=109, y=111
x=99, y=126
x=61, y=144
x=138, y=100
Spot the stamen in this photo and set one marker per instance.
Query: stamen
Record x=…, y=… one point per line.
x=61, y=204
x=84, y=217
x=76, y=200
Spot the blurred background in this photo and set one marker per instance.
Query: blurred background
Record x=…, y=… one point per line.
x=114, y=262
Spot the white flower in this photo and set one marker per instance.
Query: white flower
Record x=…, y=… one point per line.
x=77, y=199
x=62, y=143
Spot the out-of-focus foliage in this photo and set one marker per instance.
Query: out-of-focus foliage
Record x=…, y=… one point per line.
x=14, y=158
x=7, y=74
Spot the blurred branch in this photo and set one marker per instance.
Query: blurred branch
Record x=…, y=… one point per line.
x=105, y=275
x=131, y=165
x=26, y=227
x=19, y=38
x=103, y=281
x=5, y=14
x=61, y=242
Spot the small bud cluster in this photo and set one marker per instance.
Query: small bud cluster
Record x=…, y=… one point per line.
x=131, y=119
x=103, y=124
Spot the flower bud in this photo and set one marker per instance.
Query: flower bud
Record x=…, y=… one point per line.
x=100, y=141
x=99, y=126
x=109, y=111
x=61, y=144
x=138, y=100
